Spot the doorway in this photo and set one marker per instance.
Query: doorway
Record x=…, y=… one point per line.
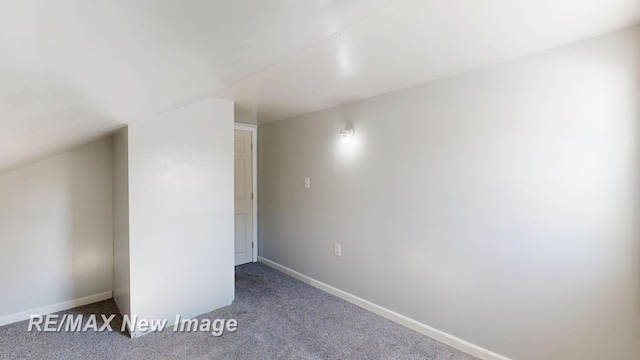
x=245, y=190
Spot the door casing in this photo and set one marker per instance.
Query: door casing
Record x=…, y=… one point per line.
x=254, y=174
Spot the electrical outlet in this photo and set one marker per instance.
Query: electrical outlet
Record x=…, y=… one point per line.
x=337, y=249
x=307, y=183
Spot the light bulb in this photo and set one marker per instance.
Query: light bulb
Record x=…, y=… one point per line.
x=346, y=135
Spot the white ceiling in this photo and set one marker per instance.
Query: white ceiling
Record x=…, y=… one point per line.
x=74, y=70
x=412, y=42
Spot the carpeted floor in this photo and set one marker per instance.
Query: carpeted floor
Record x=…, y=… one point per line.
x=278, y=318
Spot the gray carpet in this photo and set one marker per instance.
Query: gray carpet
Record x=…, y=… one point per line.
x=278, y=318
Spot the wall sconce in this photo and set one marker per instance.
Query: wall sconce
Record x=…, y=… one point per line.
x=346, y=135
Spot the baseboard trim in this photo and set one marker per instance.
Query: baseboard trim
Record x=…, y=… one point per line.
x=429, y=331
x=25, y=315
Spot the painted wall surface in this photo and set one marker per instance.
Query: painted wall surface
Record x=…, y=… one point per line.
x=121, y=273
x=56, y=230
x=181, y=211
x=499, y=205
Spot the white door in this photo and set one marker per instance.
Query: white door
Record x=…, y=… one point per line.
x=243, y=197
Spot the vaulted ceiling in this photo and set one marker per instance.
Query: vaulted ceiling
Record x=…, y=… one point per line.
x=75, y=70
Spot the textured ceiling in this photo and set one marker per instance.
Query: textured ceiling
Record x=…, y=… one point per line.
x=75, y=70
x=412, y=42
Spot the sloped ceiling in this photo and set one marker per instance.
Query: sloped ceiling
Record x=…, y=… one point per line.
x=411, y=42
x=75, y=70
x=72, y=70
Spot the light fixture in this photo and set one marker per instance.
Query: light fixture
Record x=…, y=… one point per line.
x=346, y=135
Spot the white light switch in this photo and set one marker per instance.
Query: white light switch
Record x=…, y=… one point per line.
x=337, y=249
x=307, y=183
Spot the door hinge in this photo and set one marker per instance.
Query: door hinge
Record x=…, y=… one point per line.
x=252, y=244
x=251, y=196
x=251, y=146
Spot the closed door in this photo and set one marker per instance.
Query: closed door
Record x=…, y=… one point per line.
x=243, y=198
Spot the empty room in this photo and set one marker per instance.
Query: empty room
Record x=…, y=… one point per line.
x=320, y=179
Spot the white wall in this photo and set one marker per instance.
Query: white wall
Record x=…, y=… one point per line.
x=499, y=206
x=181, y=211
x=56, y=232
x=121, y=274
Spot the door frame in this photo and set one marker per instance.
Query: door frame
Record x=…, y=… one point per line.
x=254, y=179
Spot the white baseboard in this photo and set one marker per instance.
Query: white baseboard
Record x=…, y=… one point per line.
x=25, y=315
x=433, y=333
